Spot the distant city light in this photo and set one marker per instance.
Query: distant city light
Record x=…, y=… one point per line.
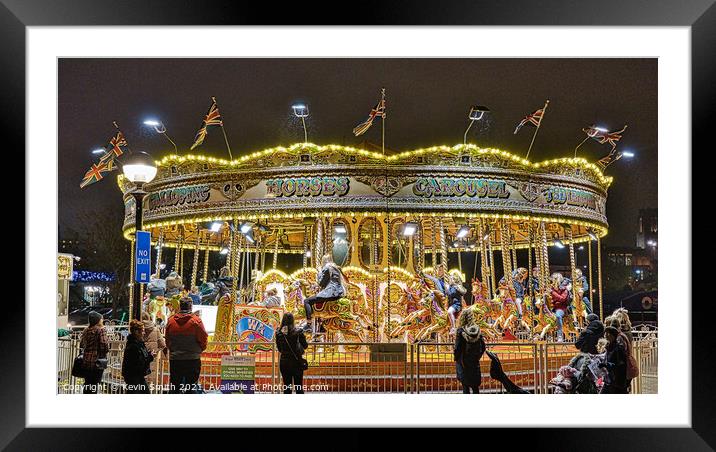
x=558, y=243
x=581, y=247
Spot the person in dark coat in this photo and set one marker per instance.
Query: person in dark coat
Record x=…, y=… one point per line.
x=615, y=364
x=469, y=348
x=331, y=281
x=291, y=343
x=588, y=338
x=94, y=346
x=136, y=361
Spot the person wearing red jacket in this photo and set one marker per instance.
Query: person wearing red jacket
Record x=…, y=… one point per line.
x=186, y=338
x=560, y=297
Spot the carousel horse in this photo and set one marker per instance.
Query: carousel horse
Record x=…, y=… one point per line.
x=340, y=315
x=509, y=317
x=481, y=297
x=418, y=313
x=547, y=322
x=480, y=318
x=439, y=322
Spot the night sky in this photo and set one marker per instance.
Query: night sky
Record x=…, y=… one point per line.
x=427, y=104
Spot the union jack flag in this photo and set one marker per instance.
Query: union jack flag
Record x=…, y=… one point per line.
x=115, y=148
x=378, y=110
x=604, y=136
x=212, y=118
x=609, y=159
x=534, y=119
x=95, y=172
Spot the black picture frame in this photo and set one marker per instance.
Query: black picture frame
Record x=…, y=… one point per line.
x=699, y=15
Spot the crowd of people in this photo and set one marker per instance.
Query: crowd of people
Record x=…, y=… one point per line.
x=183, y=341
x=607, y=344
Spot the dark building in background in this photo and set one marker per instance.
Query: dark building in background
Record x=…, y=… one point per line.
x=642, y=259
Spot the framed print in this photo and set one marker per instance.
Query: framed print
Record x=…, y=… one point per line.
x=382, y=218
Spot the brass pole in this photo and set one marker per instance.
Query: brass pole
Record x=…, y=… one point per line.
x=195, y=263
x=599, y=277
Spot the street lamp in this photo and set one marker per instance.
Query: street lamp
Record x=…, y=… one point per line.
x=476, y=114
x=160, y=128
x=463, y=232
x=99, y=151
x=138, y=168
x=410, y=228
x=301, y=111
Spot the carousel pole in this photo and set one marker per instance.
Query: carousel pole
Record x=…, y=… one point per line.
x=545, y=260
x=305, y=246
x=529, y=261
x=160, y=246
x=419, y=242
x=589, y=254
x=206, y=263
x=256, y=268
x=389, y=262
x=195, y=263
x=492, y=267
x=230, y=254
x=235, y=259
x=573, y=270
x=443, y=247
x=176, y=256
x=275, y=249
x=599, y=278
x=373, y=262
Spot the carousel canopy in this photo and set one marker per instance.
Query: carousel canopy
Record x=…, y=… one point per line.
x=286, y=186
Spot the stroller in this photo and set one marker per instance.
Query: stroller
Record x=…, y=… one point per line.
x=580, y=376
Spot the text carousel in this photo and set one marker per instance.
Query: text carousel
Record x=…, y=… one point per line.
x=390, y=223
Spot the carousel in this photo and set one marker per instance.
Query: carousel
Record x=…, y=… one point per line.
x=400, y=228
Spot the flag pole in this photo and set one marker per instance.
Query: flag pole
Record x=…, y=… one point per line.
x=544, y=111
x=226, y=140
x=382, y=93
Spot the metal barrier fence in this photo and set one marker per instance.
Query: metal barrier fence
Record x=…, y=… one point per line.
x=366, y=367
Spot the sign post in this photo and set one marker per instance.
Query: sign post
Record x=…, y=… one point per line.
x=238, y=374
x=142, y=270
x=143, y=257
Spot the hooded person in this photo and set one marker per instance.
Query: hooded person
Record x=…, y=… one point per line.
x=186, y=338
x=155, y=343
x=615, y=363
x=469, y=348
x=588, y=338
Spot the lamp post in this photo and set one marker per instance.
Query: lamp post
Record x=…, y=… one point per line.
x=160, y=128
x=476, y=114
x=301, y=111
x=138, y=168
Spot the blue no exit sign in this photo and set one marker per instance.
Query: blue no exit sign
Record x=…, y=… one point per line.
x=143, y=257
